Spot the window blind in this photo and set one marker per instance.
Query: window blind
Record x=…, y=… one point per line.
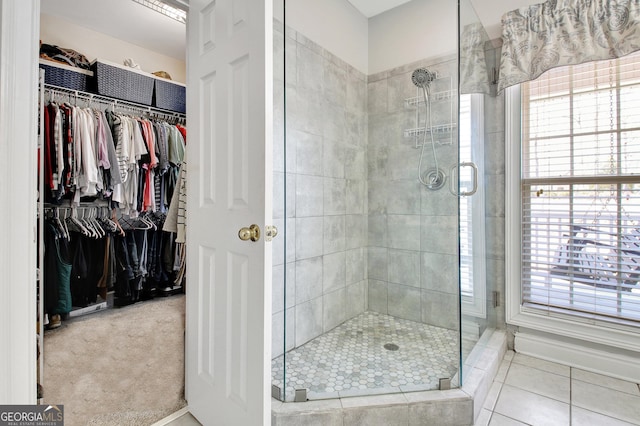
x=581, y=190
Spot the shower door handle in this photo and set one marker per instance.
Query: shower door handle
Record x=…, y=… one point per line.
x=453, y=181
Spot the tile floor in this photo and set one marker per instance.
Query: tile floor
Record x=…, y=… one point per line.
x=531, y=391
x=352, y=360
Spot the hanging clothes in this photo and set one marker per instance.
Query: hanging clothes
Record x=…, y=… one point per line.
x=132, y=162
x=131, y=165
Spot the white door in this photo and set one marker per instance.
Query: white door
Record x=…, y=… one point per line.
x=229, y=175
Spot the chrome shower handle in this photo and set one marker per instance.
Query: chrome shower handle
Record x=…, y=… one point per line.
x=453, y=181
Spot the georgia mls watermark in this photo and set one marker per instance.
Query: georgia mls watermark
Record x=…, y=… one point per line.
x=31, y=415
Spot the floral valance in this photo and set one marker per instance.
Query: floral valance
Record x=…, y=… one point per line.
x=564, y=32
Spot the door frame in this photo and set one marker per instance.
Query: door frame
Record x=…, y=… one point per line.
x=19, y=35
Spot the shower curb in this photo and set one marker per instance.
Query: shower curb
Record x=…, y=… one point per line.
x=455, y=407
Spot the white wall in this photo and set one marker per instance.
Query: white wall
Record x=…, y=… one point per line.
x=334, y=24
x=94, y=45
x=420, y=29
x=417, y=30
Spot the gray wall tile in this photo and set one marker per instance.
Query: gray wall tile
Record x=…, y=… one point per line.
x=356, y=191
x=334, y=234
x=377, y=296
x=403, y=231
x=308, y=320
x=404, y=267
x=308, y=279
x=309, y=195
x=439, y=272
x=440, y=234
x=404, y=302
x=334, y=196
x=440, y=309
x=309, y=237
x=334, y=305
x=403, y=197
x=308, y=152
x=355, y=265
x=356, y=298
x=377, y=263
x=333, y=272
x=377, y=230
x=355, y=231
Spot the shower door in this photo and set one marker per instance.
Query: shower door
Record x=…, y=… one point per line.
x=481, y=213
x=366, y=295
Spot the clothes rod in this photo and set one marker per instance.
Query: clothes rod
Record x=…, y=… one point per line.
x=92, y=97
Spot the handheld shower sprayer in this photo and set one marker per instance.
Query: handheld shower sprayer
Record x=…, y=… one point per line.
x=422, y=77
x=434, y=178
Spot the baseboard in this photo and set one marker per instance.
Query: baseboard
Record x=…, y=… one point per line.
x=610, y=363
x=171, y=417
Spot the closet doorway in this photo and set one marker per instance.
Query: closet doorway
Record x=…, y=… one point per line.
x=229, y=100
x=124, y=363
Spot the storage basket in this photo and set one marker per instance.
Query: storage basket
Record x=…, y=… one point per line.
x=61, y=75
x=120, y=82
x=169, y=95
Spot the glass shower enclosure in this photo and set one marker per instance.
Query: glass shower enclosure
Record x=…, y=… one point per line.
x=379, y=272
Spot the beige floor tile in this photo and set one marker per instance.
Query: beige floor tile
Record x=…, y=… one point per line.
x=502, y=371
x=500, y=420
x=605, y=381
x=540, y=364
x=531, y=408
x=538, y=381
x=605, y=401
x=492, y=396
x=483, y=418
x=582, y=417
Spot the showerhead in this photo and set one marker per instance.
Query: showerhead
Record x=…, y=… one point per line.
x=421, y=77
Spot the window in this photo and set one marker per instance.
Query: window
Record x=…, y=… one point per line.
x=472, y=208
x=579, y=194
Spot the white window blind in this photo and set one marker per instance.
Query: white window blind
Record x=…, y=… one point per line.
x=581, y=190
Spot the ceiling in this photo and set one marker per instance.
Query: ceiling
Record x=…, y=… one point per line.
x=125, y=20
x=371, y=8
x=137, y=24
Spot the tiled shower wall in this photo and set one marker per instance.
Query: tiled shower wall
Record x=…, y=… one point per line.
x=361, y=232
x=326, y=191
x=412, y=261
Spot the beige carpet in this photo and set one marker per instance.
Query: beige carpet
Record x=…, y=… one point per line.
x=121, y=366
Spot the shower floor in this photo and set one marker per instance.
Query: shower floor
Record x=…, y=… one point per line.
x=352, y=360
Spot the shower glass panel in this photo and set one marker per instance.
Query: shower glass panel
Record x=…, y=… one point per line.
x=282, y=214
x=366, y=282
x=479, y=275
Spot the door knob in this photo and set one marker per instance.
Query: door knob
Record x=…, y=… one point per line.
x=270, y=232
x=251, y=233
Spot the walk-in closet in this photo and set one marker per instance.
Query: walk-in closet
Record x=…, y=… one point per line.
x=111, y=210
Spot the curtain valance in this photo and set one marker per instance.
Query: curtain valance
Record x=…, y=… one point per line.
x=565, y=32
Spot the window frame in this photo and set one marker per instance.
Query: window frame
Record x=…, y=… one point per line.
x=476, y=305
x=559, y=323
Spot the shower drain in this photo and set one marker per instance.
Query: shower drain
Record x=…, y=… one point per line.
x=391, y=347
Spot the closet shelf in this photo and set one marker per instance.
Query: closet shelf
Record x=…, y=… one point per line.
x=89, y=98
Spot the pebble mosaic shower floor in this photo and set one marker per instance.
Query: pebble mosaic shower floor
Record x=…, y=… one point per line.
x=352, y=360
